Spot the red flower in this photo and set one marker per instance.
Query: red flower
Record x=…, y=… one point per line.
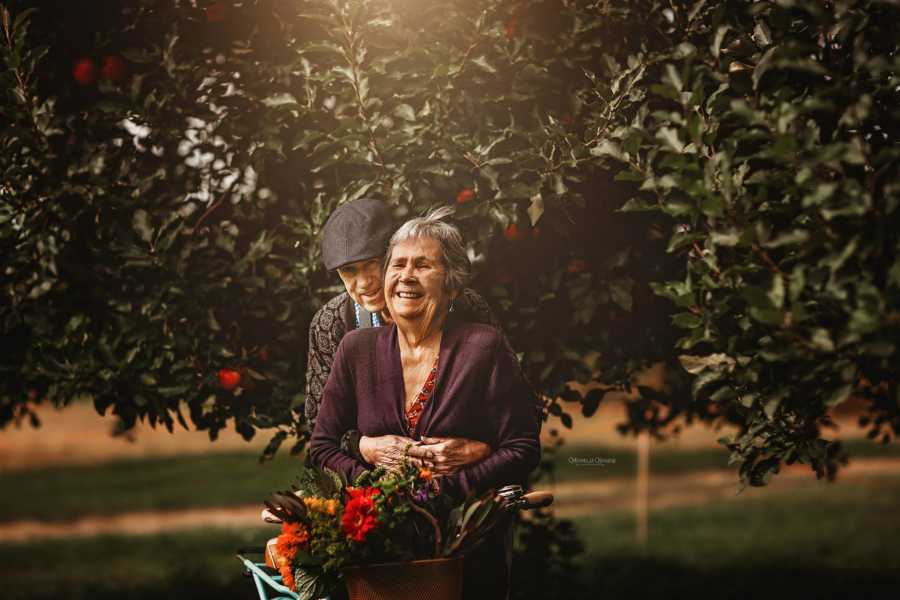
x=113, y=68
x=360, y=513
x=215, y=13
x=467, y=195
x=85, y=71
x=229, y=379
x=578, y=265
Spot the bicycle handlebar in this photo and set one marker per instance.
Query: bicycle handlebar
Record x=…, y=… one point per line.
x=536, y=500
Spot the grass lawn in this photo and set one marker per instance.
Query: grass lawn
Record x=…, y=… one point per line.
x=62, y=493
x=618, y=462
x=822, y=541
x=194, y=565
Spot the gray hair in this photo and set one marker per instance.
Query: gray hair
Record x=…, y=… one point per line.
x=432, y=225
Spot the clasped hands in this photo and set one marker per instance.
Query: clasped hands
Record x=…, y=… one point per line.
x=442, y=455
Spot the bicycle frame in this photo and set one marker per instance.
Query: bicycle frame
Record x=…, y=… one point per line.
x=263, y=579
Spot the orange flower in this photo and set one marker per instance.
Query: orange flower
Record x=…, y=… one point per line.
x=425, y=474
x=287, y=576
x=321, y=505
x=331, y=507
x=293, y=536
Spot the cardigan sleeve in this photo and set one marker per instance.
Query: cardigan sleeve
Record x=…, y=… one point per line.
x=325, y=333
x=515, y=414
x=337, y=415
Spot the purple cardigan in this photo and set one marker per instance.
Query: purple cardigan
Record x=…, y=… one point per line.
x=479, y=394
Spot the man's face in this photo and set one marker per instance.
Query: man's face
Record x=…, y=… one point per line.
x=363, y=282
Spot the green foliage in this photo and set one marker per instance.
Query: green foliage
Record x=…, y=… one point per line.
x=161, y=224
x=164, y=226
x=767, y=131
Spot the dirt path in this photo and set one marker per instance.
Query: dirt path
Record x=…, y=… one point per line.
x=572, y=499
x=78, y=435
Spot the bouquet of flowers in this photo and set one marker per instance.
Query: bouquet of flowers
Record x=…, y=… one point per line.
x=384, y=517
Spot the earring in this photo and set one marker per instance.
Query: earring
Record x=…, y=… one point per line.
x=451, y=306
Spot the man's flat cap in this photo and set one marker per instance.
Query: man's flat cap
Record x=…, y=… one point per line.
x=357, y=230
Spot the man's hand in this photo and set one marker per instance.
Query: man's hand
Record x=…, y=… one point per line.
x=446, y=455
x=387, y=451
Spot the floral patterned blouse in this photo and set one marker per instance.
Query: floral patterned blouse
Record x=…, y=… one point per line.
x=415, y=410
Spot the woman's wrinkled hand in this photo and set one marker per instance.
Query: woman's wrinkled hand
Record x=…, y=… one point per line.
x=446, y=455
x=387, y=451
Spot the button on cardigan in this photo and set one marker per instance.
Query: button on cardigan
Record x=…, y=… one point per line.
x=479, y=394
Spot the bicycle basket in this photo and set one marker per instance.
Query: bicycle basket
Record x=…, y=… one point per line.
x=434, y=579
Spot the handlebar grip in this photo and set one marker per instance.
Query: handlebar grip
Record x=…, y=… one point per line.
x=268, y=517
x=537, y=499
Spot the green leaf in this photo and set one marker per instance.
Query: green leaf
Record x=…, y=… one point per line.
x=281, y=99
x=839, y=395
x=687, y=320
x=638, y=205
x=405, y=112
x=482, y=62
x=310, y=584
x=620, y=292
x=696, y=364
x=764, y=64
x=609, y=148
x=670, y=137
x=140, y=221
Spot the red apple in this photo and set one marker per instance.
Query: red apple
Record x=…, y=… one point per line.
x=513, y=233
x=466, y=195
x=215, y=13
x=113, y=68
x=578, y=265
x=229, y=379
x=512, y=27
x=85, y=71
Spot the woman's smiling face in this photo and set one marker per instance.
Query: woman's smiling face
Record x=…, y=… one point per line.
x=414, y=282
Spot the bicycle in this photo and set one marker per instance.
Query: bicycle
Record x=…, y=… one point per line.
x=266, y=578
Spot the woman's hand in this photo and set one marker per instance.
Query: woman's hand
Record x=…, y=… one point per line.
x=387, y=451
x=446, y=455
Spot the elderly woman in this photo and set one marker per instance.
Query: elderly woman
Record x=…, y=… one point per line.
x=430, y=375
x=354, y=240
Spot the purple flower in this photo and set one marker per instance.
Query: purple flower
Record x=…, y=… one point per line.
x=421, y=495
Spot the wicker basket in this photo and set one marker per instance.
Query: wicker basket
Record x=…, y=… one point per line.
x=435, y=579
